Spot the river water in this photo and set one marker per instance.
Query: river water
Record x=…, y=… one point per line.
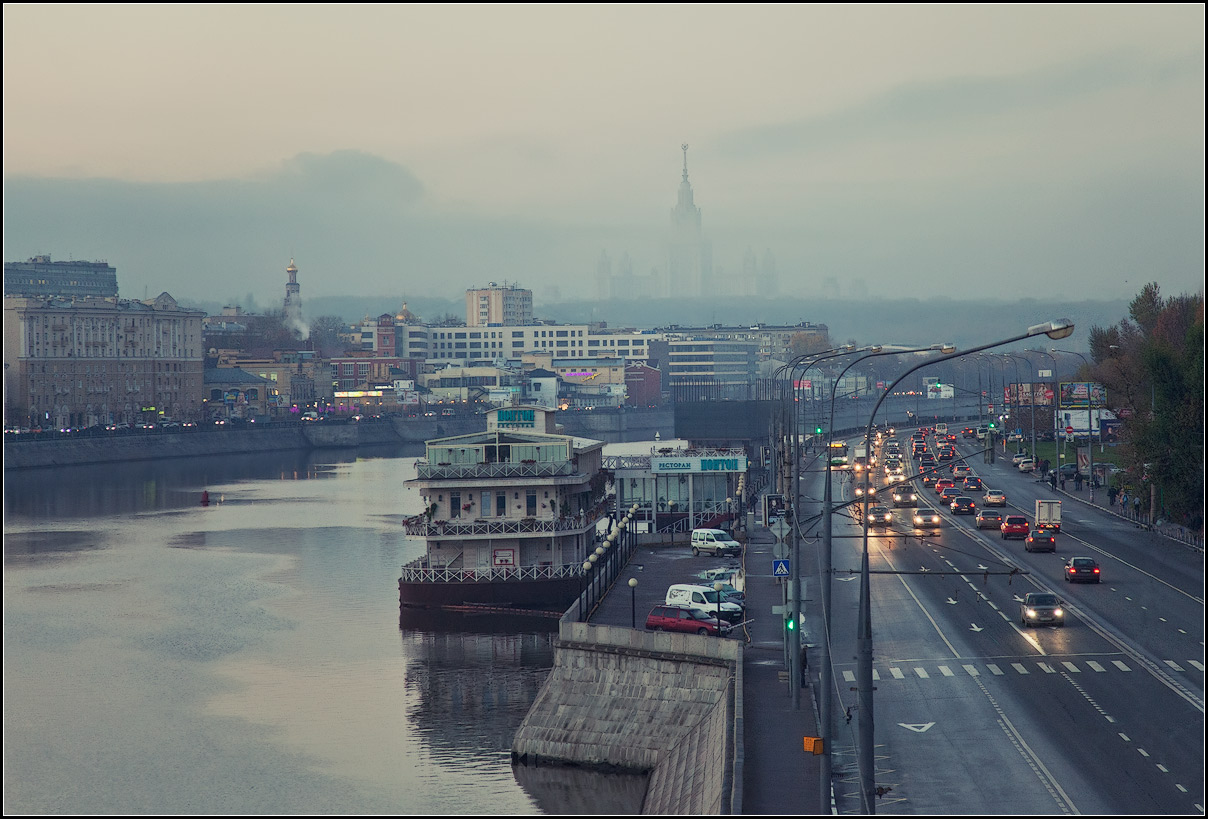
x=249, y=656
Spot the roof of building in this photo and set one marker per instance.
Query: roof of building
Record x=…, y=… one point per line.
x=231, y=375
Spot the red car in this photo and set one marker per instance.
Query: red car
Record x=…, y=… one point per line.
x=943, y=483
x=693, y=621
x=1014, y=526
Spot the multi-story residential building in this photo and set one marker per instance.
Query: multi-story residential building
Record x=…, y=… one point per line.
x=499, y=306
x=40, y=276
x=81, y=362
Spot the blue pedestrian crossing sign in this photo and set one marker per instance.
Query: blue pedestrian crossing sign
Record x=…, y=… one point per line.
x=780, y=568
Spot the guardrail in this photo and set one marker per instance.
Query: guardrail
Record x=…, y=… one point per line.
x=459, y=528
x=418, y=572
x=430, y=471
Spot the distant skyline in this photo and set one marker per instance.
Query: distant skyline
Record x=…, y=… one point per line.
x=970, y=151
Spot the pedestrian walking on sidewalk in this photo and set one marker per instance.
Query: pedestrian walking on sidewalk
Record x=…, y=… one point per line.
x=1053, y=480
x=1137, y=507
x=1124, y=503
x=1077, y=481
x=1111, y=496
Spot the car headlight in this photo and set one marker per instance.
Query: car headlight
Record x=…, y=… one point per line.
x=1031, y=612
x=1058, y=613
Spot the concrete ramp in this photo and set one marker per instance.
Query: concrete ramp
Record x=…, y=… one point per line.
x=623, y=699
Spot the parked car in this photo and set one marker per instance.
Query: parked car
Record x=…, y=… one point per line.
x=1067, y=471
x=704, y=598
x=1041, y=607
x=1040, y=541
x=680, y=618
x=1014, y=526
x=716, y=542
x=988, y=519
x=1082, y=570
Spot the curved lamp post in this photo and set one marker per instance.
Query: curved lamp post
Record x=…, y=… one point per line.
x=1061, y=328
x=826, y=672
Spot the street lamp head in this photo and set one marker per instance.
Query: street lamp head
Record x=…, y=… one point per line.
x=633, y=582
x=1056, y=329
x=945, y=348
x=876, y=348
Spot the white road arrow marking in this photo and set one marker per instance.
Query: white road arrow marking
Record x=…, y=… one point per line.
x=951, y=602
x=975, y=627
x=917, y=727
x=845, y=579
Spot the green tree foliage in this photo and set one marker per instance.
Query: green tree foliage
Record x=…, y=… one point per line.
x=1153, y=368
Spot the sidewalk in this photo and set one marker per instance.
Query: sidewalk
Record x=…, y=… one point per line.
x=1171, y=531
x=779, y=777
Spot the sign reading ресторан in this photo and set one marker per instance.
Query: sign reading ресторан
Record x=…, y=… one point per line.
x=698, y=464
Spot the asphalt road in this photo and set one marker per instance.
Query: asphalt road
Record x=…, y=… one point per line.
x=975, y=713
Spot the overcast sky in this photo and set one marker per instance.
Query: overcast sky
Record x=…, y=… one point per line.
x=978, y=150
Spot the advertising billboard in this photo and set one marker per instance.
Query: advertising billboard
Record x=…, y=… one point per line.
x=1033, y=395
x=1074, y=394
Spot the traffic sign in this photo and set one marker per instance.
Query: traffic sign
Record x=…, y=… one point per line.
x=780, y=568
x=780, y=528
x=1069, y=430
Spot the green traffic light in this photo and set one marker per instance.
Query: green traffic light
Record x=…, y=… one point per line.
x=790, y=625
x=817, y=430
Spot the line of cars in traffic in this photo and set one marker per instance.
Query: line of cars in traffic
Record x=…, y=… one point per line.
x=1037, y=537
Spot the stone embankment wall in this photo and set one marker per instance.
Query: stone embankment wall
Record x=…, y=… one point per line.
x=141, y=446
x=659, y=702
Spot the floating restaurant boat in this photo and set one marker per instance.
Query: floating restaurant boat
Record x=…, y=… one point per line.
x=510, y=515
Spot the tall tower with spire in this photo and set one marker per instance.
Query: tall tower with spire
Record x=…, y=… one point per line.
x=293, y=301
x=689, y=255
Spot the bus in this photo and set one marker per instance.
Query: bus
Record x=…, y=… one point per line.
x=838, y=454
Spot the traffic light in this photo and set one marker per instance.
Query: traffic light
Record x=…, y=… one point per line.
x=991, y=425
x=790, y=624
x=817, y=430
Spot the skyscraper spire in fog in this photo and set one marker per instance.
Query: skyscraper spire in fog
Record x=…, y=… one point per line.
x=689, y=255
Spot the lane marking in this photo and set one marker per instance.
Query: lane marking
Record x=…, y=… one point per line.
x=1019, y=667
x=1071, y=666
x=1173, y=665
x=1120, y=665
x=1095, y=666
x=972, y=669
x=922, y=672
x=1046, y=668
x=946, y=671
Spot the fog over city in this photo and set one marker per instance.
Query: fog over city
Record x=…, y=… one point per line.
x=976, y=152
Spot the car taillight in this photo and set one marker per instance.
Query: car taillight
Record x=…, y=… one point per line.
x=1096, y=570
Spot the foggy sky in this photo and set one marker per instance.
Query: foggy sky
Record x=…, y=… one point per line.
x=978, y=151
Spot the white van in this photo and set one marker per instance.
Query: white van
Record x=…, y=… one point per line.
x=715, y=542
x=703, y=598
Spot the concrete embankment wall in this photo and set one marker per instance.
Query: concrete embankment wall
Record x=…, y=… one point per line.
x=144, y=446
x=141, y=446
x=657, y=702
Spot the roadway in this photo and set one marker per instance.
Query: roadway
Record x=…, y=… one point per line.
x=976, y=714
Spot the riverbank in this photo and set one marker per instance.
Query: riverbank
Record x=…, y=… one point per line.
x=32, y=452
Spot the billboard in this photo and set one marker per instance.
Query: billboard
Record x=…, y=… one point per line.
x=1033, y=395
x=1074, y=394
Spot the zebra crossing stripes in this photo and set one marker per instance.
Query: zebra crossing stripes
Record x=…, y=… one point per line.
x=1005, y=669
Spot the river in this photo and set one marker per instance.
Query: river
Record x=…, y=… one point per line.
x=248, y=656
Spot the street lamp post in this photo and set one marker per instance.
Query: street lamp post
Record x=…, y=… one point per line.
x=1090, y=426
x=826, y=673
x=633, y=602
x=1053, y=329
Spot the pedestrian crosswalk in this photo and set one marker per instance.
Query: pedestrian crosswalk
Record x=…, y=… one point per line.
x=1037, y=667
